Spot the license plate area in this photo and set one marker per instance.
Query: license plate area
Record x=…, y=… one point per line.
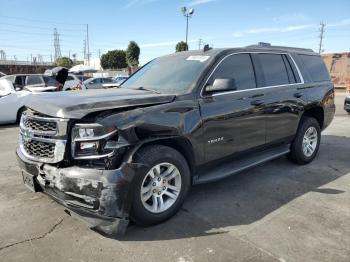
x=30, y=181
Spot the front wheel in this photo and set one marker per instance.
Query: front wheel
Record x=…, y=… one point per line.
x=306, y=142
x=161, y=190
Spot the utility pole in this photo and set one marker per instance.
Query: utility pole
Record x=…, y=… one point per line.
x=188, y=14
x=87, y=44
x=322, y=26
x=200, y=42
x=84, y=52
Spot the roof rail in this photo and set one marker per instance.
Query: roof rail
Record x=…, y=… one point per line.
x=281, y=47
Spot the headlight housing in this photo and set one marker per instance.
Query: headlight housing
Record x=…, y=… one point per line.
x=89, y=140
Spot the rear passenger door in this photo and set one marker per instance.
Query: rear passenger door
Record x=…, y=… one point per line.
x=284, y=95
x=232, y=121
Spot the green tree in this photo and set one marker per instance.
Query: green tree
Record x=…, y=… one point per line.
x=132, y=54
x=115, y=59
x=181, y=46
x=64, y=61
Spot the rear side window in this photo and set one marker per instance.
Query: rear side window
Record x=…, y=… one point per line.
x=315, y=67
x=238, y=67
x=274, y=69
x=69, y=78
x=34, y=80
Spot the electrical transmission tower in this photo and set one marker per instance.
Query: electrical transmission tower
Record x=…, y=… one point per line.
x=56, y=44
x=322, y=26
x=2, y=55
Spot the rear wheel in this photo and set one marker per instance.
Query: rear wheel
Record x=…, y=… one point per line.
x=161, y=190
x=348, y=111
x=306, y=142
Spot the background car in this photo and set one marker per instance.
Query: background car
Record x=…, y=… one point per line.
x=120, y=79
x=11, y=102
x=97, y=82
x=347, y=103
x=31, y=81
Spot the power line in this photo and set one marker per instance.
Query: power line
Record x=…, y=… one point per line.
x=39, y=27
x=40, y=20
x=322, y=26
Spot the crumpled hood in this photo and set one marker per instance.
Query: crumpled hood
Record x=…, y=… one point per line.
x=77, y=104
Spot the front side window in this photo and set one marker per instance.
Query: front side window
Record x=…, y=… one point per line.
x=237, y=67
x=274, y=69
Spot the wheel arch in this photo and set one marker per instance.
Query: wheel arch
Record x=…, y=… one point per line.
x=180, y=144
x=316, y=112
x=19, y=113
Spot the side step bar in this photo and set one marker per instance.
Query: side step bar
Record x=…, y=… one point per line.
x=241, y=164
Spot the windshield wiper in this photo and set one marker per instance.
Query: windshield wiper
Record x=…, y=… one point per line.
x=147, y=89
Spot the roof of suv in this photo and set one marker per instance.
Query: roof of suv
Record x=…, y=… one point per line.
x=251, y=48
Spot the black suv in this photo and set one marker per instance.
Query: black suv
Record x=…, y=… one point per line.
x=182, y=119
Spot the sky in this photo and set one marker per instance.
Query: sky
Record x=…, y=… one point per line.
x=27, y=26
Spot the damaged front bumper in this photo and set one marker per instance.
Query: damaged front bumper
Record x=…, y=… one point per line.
x=100, y=197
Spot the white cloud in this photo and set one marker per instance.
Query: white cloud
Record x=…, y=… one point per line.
x=200, y=2
x=339, y=23
x=291, y=18
x=260, y=30
x=132, y=3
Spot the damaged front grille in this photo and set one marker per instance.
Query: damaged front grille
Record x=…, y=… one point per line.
x=42, y=138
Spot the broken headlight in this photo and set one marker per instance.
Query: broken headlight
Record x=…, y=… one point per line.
x=89, y=141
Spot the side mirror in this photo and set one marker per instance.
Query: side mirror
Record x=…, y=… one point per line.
x=222, y=84
x=18, y=87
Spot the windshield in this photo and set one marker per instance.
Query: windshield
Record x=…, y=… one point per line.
x=169, y=74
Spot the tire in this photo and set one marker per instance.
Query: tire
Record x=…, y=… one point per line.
x=148, y=212
x=297, y=154
x=348, y=111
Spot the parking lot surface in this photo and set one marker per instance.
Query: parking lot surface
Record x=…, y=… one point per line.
x=274, y=212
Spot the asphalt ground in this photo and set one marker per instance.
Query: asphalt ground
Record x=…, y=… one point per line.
x=274, y=212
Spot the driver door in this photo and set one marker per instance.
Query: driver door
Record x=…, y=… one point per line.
x=233, y=121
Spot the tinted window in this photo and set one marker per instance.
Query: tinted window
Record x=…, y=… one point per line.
x=34, y=80
x=20, y=80
x=315, y=67
x=274, y=69
x=290, y=72
x=238, y=67
x=70, y=78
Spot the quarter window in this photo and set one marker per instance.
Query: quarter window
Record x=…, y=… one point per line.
x=238, y=67
x=316, y=67
x=274, y=69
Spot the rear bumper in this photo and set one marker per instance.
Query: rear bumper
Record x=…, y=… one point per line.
x=347, y=104
x=100, y=197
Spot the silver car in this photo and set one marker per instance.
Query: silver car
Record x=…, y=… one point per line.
x=97, y=82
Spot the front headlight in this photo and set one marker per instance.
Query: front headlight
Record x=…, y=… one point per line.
x=89, y=140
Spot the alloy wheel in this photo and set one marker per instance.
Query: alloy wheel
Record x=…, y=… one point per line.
x=161, y=187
